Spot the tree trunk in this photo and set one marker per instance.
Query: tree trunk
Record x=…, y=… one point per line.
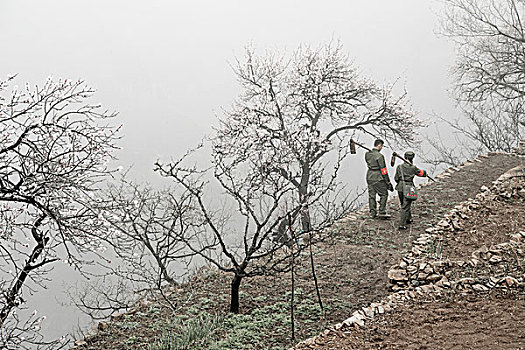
x=292, y=301
x=306, y=225
x=14, y=292
x=314, y=275
x=234, y=303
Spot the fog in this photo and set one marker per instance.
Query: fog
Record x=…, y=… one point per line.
x=165, y=66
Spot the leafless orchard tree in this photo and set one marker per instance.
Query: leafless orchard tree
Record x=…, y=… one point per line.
x=237, y=242
x=490, y=70
x=54, y=146
x=150, y=228
x=295, y=116
x=278, y=150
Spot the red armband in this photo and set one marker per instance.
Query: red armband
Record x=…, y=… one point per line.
x=384, y=171
x=421, y=173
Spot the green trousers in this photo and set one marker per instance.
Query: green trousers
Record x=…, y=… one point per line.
x=377, y=188
x=406, y=205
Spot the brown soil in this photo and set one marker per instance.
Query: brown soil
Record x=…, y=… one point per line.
x=489, y=321
x=492, y=224
x=352, y=264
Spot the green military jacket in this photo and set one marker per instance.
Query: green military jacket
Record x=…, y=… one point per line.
x=377, y=170
x=407, y=172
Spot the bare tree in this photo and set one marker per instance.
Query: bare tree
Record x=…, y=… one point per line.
x=54, y=148
x=490, y=73
x=240, y=242
x=295, y=117
x=150, y=228
x=272, y=150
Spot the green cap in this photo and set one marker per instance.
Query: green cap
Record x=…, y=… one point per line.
x=410, y=154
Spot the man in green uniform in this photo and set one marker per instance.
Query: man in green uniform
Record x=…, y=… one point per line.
x=377, y=180
x=405, y=175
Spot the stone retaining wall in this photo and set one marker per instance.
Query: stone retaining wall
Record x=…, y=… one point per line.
x=423, y=265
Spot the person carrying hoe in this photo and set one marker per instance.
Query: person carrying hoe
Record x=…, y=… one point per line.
x=377, y=180
x=405, y=187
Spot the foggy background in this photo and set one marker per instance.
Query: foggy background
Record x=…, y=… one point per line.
x=164, y=66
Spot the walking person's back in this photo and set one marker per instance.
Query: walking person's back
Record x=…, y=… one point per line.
x=404, y=177
x=377, y=180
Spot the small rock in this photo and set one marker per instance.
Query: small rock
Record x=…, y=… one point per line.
x=511, y=281
x=360, y=323
x=494, y=249
x=416, y=251
x=438, y=263
x=80, y=342
x=408, y=260
x=411, y=269
x=396, y=288
x=434, y=277
x=494, y=280
x=397, y=275
x=495, y=259
x=479, y=287
x=466, y=280
x=427, y=289
x=369, y=312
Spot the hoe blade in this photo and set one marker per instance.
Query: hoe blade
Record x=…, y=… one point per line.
x=352, y=147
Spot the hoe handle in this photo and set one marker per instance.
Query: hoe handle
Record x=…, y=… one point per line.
x=360, y=145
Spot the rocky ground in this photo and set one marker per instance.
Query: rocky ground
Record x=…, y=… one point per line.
x=353, y=267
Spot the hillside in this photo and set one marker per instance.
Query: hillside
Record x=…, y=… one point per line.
x=353, y=270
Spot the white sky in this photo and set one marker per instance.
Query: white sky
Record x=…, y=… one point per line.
x=164, y=64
